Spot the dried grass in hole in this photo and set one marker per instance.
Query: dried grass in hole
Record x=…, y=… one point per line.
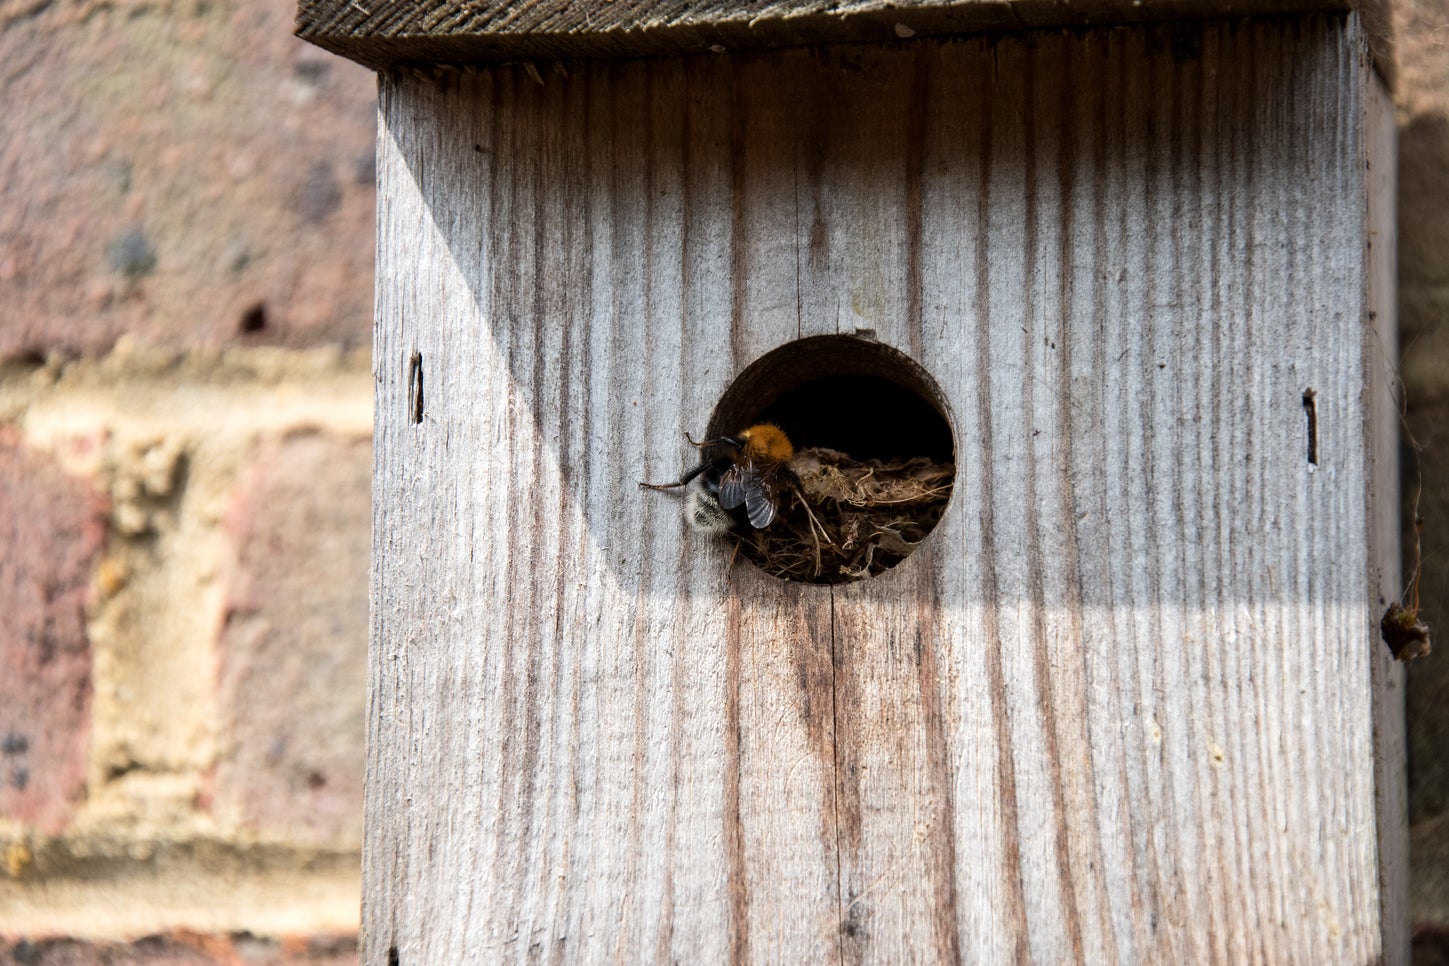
x=862, y=518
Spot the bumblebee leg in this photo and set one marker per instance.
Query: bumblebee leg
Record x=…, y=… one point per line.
x=717, y=441
x=682, y=481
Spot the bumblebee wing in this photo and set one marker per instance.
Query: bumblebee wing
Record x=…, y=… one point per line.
x=760, y=497
x=734, y=484
x=745, y=484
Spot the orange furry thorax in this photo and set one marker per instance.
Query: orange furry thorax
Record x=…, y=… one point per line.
x=766, y=441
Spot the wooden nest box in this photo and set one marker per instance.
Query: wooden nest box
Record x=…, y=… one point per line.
x=1124, y=270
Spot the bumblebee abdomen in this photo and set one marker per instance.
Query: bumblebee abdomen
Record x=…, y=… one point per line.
x=702, y=510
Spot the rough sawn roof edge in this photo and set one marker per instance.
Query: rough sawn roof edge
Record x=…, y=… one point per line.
x=383, y=34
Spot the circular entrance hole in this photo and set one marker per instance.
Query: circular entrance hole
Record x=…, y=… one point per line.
x=874, y=456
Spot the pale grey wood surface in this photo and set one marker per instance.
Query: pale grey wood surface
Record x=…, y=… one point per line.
x=1119, y=708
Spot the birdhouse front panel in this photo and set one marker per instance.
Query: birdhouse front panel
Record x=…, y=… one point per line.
x=1119, y=702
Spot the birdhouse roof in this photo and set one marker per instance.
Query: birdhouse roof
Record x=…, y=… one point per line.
x=383, y=34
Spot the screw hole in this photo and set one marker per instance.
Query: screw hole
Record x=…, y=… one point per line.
x=415, y=387
x=393, y=959
x=1310, y=408
x=254, y=319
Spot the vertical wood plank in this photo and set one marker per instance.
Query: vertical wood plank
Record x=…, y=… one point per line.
x=779, y=634
x=1381, y=361
x=1126, y=703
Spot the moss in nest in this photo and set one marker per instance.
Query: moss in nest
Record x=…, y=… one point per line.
x=1406, y=635
x=857, y=519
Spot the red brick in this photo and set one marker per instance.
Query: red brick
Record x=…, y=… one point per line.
x=183, y=949
x=294, y=646
x=1422, y=55
x=181, y=172
x=51, y=529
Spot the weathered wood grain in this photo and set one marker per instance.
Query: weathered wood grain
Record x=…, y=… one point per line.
x=1382, y=384
x=1126, y=704
x=389, y=33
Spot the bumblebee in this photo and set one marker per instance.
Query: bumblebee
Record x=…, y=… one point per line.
x=739, y=483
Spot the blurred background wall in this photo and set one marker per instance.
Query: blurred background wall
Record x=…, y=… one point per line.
x=1422, y=94
x=186, y=248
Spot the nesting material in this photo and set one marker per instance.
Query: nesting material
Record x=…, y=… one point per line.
x=1405, y=634
x=856, y=520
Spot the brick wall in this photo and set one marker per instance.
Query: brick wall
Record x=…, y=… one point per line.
x=1422, y=35
x=186, y=225
x=186, y=197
